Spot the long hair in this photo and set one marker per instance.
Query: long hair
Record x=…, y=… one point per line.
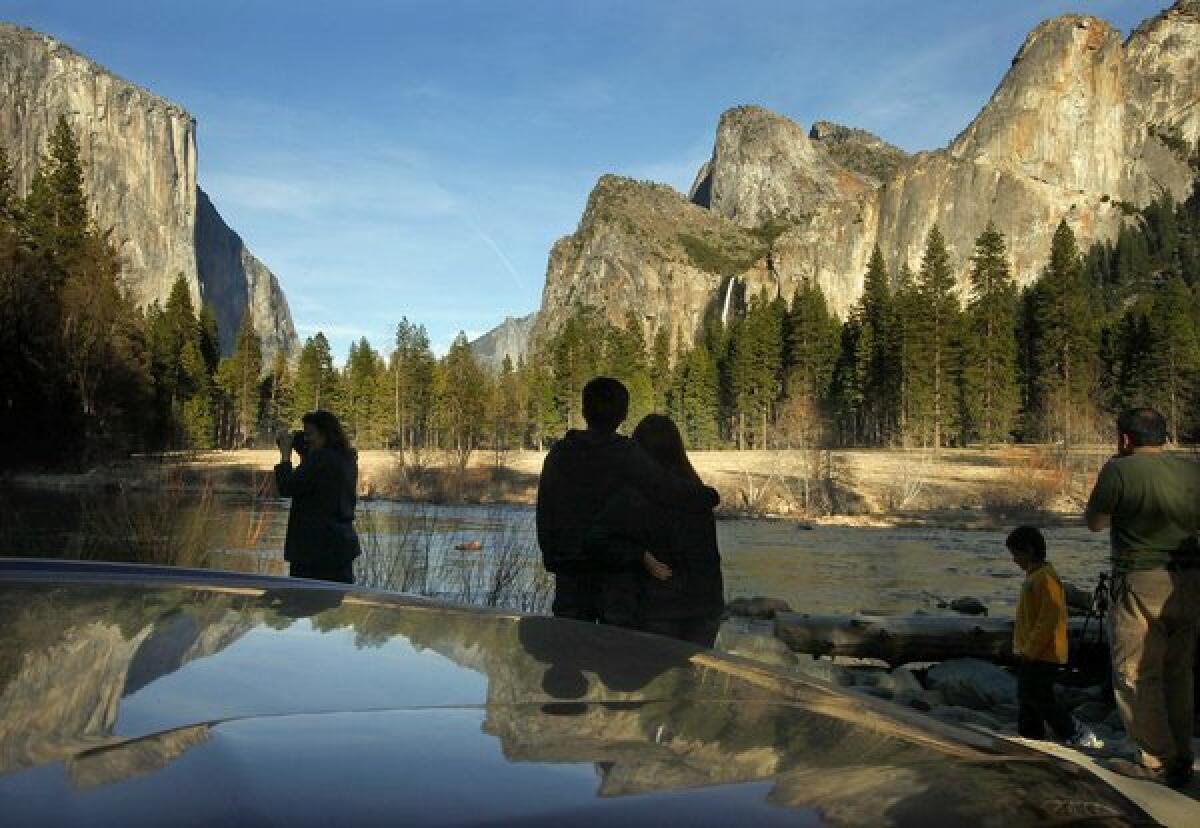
x=658, y=435
x=335, y=437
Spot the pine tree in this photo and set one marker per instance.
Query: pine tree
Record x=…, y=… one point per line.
x=698, y=398
x=757, y=368
x=660, y=368
x=847, y=386
x=545, y=416
x=314, y=381
x=813, y=340
x=576, y=355
x=412, y=370
x=876, y=354
x=910, y=411
x=625, y=359
x=363, y=375
x=505, y=409
x=1172, y=356
x=1065, y=351
x=210, y=338
x=462, y=394
x=990, y=347
x=934, y=335
x=241, y=375
x=279, y=392
x=57, y=213
x=196, y=411
x=97, y=342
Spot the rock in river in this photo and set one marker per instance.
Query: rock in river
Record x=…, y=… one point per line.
x=757, y=607
x=969, y=682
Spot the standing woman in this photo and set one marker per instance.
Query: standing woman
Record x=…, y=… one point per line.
x=662, y=566
x=321, y=541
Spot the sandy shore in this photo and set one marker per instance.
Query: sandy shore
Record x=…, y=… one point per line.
x=886, y=487
x=954, y=487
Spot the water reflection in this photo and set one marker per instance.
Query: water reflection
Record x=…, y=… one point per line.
x=120, y=686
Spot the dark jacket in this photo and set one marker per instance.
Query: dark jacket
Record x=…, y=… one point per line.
x=686, y=541
x=323, y=489
x=580, y=473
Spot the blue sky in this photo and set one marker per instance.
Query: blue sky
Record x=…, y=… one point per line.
x=418, y=159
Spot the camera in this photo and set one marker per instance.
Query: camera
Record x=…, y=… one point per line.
x=300, y=442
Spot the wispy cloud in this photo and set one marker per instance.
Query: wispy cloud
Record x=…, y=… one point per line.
x=333, y=330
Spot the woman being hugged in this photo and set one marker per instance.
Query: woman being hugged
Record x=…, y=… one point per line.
x=321, y=541
x=662, y=565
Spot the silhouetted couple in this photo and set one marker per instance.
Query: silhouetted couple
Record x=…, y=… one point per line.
x=626, y=525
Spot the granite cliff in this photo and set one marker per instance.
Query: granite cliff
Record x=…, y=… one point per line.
x=509, y=339
x=141, y=162
x=1083, y=126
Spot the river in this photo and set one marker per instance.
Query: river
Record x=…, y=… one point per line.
x=488, y=554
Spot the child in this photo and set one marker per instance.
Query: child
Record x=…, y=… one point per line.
x=1040, y=644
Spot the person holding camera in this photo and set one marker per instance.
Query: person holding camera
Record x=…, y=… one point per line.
x=321, y=542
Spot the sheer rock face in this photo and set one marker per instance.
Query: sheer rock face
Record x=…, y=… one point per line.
x=49, y=719
x=1081, y=126
x=140, y=156
x=1058, y=116
x=233, y=280
x=642, y=248
x=764, y=168
x=858, y=150
x=508, y=339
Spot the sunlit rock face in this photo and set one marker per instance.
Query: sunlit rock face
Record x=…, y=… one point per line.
x=140, y=157
x=1082, y=126
x=764, y=168
x=65, y=696
x=642, y=249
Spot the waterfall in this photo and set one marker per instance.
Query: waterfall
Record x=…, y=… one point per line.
x=725, y=304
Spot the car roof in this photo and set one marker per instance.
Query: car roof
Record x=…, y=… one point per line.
x=128, y=693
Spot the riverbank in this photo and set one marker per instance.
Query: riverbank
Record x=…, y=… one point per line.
x=884, y=488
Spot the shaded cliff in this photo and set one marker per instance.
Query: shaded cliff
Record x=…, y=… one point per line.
x=140, y=157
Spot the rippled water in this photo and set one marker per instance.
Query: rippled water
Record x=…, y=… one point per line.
x=829, y=569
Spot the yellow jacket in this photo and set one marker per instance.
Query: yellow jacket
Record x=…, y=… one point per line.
x=1041, y=630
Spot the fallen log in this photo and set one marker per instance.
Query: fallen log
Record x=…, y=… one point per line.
x=909, y=638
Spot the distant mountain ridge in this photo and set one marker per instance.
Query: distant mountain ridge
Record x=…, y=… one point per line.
x=508, y=339
x=1083, y=127
x=141, y=162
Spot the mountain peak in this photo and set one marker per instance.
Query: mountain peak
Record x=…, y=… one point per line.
x=858, y=150
x=764, y=170
x=140, y=167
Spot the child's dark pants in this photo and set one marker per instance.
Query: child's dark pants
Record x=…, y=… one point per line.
x=1037, y=706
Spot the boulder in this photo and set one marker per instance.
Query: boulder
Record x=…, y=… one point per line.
x=965, y=716
x=901, y=681
x=757, y=607
x=759, y=646
x=968, y=606
x=1093, y=711
x=877, y=692
x=825, y=670
x=969, y=682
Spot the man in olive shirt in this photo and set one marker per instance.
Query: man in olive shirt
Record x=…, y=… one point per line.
x=1150, y=503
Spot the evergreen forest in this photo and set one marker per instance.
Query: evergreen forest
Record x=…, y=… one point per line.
x=88, y=375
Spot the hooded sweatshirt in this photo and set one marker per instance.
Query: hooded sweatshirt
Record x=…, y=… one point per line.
x=581, y=472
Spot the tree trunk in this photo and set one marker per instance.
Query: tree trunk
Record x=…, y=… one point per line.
x=905, y=639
